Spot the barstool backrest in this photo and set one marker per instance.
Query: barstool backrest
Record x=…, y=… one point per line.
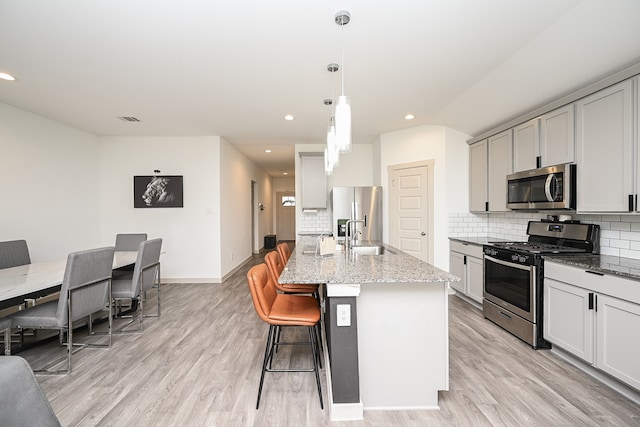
x=284, y=252
x=262, y=290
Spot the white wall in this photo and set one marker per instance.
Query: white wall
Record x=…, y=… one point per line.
x=237, y=173
x=190, y=234
x=448, y=149
x=67, y=190
x=51, y=185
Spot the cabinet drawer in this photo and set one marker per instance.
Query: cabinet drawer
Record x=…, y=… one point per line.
x=619, y=287
x=466, y=248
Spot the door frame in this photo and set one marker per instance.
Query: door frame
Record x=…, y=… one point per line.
x=393, y=203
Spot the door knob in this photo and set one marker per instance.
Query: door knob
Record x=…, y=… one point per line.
x=423, y=234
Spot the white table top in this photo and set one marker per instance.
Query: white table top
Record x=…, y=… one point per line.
x=32, y=278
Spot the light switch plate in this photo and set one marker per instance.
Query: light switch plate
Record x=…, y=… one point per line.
x=343, y=314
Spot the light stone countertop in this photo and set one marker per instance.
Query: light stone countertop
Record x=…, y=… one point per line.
x=393, y=266
x=606, y=264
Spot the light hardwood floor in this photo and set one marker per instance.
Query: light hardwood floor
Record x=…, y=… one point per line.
x=199, y=365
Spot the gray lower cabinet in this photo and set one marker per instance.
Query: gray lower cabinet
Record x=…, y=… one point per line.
x=466, y=262
x=596, y=318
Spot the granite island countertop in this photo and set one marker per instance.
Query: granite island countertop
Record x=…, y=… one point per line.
x=392, y=266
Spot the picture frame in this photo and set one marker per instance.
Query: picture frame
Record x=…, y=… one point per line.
x=158, y=191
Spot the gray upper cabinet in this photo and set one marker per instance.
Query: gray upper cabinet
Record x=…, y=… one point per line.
x=545, y=141
x=490, y=161
x=500, y=165
x=313, y=180
x=604, y=145
x=557, y=136
x=526, y=145
x=478, y=190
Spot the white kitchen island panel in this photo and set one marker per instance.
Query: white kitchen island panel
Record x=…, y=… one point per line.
x=403, y=345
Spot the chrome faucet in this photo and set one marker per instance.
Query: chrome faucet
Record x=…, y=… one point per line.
x=351, y=236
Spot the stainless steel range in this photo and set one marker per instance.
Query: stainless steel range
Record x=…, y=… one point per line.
x=514, y=273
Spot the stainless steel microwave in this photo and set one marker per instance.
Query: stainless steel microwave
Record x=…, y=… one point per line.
x=552, y=187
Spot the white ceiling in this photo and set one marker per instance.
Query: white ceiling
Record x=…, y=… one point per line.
x=235, y=68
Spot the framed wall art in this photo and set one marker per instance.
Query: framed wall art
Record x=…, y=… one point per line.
x=157, y=191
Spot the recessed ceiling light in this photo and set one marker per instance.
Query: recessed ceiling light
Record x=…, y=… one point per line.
x=267, y=151
x=5, y=76
x=285, y=173
x=409, y=117
x=288, y=117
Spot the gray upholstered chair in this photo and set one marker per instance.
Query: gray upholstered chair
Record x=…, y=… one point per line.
x=86, y=289
x=129, y=242
x=14, y=253
x=5, y=326
x=22, y=401
x=146, y=275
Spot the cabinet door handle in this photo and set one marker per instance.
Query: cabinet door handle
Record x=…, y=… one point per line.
x=630, y=202
x=464, y=260
x=590, y=300
x=486, y=206
x=597, y=273
x=538, y=162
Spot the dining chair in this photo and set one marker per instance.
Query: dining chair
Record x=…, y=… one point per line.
x=127, y=242
x=5, y=326
x=14, y=253
x=146, y=275
x=283, y=310
x=22, y=401
x=86, y=289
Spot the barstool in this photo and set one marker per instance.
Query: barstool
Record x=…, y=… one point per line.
x=275, y=264
x=284, y=251
x=279, y=310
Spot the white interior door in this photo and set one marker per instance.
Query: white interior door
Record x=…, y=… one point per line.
x=286, y=213
x=411, y=209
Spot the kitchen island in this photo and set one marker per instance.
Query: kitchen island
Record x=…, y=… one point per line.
x=386, y=326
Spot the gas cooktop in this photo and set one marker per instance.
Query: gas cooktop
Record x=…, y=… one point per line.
x=536, y=247
x=546, y=237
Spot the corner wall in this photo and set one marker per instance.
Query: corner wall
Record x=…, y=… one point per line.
x=448, y=148
x=51, y=185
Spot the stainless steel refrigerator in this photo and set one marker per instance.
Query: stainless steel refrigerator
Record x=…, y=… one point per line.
x=362, y=203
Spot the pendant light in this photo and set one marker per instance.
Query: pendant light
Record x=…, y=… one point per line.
x=331, y=153
x=343, y=106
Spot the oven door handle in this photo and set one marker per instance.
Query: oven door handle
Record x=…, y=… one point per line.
x=509, y=264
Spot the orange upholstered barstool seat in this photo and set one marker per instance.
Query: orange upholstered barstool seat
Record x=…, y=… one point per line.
x=279, y=310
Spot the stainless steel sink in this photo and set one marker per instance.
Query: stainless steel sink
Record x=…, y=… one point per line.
x=367, y=250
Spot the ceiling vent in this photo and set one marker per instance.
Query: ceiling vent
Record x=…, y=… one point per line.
x=129, y=119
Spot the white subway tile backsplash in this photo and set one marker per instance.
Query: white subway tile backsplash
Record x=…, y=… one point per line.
x=622, y=226
x=604, y=250
x=619, y=234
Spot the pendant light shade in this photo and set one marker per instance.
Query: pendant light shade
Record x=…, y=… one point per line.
x=331, y=153
x=343, y=124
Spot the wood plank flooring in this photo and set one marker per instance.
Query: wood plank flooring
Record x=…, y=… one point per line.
x=199, y=365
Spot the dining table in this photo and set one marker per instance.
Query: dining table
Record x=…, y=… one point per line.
x=31, y=281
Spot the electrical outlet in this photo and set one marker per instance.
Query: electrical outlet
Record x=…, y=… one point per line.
x=343, y=315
